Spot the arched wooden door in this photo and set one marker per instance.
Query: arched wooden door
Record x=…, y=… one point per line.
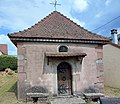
x=64, y=73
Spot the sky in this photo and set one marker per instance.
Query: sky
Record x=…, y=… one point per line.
x=17, y=15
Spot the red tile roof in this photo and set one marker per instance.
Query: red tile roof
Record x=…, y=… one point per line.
x=65, y=54
x=57, y=26
x=4, y=48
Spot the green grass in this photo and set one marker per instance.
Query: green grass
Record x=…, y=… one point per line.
x=112, y=92
x=8, y=89
x=3, y=78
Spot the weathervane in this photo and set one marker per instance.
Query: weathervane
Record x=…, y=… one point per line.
x=55, y=4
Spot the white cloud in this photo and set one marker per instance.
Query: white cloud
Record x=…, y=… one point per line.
x=80, y=5
x=98, y=15
x=20, y=14
x=108, y=2
x=17, y=15
x=5, y=40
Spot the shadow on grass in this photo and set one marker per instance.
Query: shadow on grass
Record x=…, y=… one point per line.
x=13, y=89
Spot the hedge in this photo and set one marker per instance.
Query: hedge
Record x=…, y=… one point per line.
x=8, y=62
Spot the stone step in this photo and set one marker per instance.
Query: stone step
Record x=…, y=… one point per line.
x=59, y=100
x=67, y=100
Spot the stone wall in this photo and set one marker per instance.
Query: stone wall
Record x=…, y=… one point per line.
x=36, y=70
x=100, y=70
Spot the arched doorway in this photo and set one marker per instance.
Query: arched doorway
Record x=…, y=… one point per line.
x=64, y=76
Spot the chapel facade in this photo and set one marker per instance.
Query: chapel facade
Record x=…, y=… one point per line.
x=59, y=56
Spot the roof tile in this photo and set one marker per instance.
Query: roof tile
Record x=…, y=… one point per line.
x=4, y=49
x=56, y=25
x=65, y=54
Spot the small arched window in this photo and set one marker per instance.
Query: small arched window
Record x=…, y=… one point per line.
x=63, y=49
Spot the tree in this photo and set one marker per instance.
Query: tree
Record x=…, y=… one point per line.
x=8, y=62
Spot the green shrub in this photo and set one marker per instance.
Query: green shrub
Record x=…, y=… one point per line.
x=8, y=62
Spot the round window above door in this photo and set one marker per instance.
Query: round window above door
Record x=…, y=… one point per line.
x=63, y=49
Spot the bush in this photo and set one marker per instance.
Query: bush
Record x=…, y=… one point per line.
x=8, y=62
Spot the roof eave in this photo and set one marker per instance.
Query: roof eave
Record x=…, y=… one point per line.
x=14, y=41
x=58, y=40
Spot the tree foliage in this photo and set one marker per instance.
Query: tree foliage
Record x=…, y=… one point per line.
x=8, y=62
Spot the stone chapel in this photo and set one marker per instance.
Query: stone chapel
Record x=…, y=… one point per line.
x=60, y=56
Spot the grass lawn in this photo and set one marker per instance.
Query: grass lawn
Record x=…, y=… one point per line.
x=109, y=91
x=8, y=89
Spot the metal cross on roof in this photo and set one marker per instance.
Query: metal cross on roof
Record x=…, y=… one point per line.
x=55, y=4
